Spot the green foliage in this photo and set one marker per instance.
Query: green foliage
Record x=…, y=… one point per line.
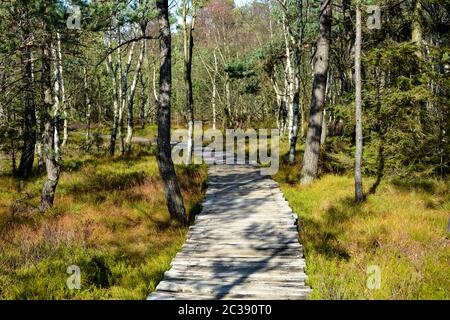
x=239, y=69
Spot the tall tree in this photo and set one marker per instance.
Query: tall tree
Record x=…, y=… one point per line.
x=88, y=105
x=172, y=190
x=49, y=116
x=29, y=108
x=62, y=89
x=296, y=99
x=144, y=100
x=189, y=8
x=113, y=73
x=123, y=92
x=312, y=148
x=131, y=97
x=358, y=115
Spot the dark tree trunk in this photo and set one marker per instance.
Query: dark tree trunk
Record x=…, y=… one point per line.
x=345, y=73
x=166, y=168
x=112, y=144
x=189, y=95
x=29, y=113
x=381, y=128
x=312, y=149
x=51, y=158
x=296, y=100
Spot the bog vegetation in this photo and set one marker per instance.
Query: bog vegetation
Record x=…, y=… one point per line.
x=89, y=93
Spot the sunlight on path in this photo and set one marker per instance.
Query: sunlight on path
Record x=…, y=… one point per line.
x=243, y=245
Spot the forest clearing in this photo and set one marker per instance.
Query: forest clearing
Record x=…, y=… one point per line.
x=96, y=95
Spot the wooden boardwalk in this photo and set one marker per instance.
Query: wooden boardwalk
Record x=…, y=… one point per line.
x=243, y=245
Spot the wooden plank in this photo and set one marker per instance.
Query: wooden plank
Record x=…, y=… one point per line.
x=166, y=295
x=242, y=253
x=235, y=227
x=243, y=245
x=230, y=262
x=202, y=287
x=226, y=277
x=266, y=247
x=248, y=269
x=237, y=241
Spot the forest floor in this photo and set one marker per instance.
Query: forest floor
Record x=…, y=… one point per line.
x=110, y=219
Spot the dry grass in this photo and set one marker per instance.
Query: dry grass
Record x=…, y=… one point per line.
x=401, y=229
x=109, y=218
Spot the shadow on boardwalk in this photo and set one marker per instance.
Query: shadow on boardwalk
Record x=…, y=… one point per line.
x=243, y=245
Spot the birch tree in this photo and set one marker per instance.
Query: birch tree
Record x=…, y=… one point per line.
x=62, y=89
x=88, y=105
x=50, y=144
x=188, y=11
x=296, y=79
x=131, y=98
x=113, y=72
x=123, y=92
x=358, y=116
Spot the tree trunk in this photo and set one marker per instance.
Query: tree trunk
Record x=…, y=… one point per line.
x=39, y=127
x=323, y=135
x=123, y=96
x=29, y=112
x=312, y=149
x=143, y=101
x=155, y=91
x=172, y=190
x=296, y=99
x=214, y=90
x=227, y=113
x=289, y=81
x=131, y=100
x=88, y=106
x=358, y=116
x=49, y=143
x=110, y=69
x=346, y=73
x=62, y=90
x=188, y=44
x=56, y=103
x=416, y=34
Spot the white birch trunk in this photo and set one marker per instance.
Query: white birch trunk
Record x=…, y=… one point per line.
x=56, y=104
x=110, y=70
x=131, y=98
x=214, y=90
x=88, y=106
x=62, y=91
x=358, y=112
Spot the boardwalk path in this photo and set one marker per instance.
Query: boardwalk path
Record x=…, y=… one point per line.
x=243, y=245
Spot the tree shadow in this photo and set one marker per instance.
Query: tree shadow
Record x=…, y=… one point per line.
x=324, y=236
x=428, y=186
